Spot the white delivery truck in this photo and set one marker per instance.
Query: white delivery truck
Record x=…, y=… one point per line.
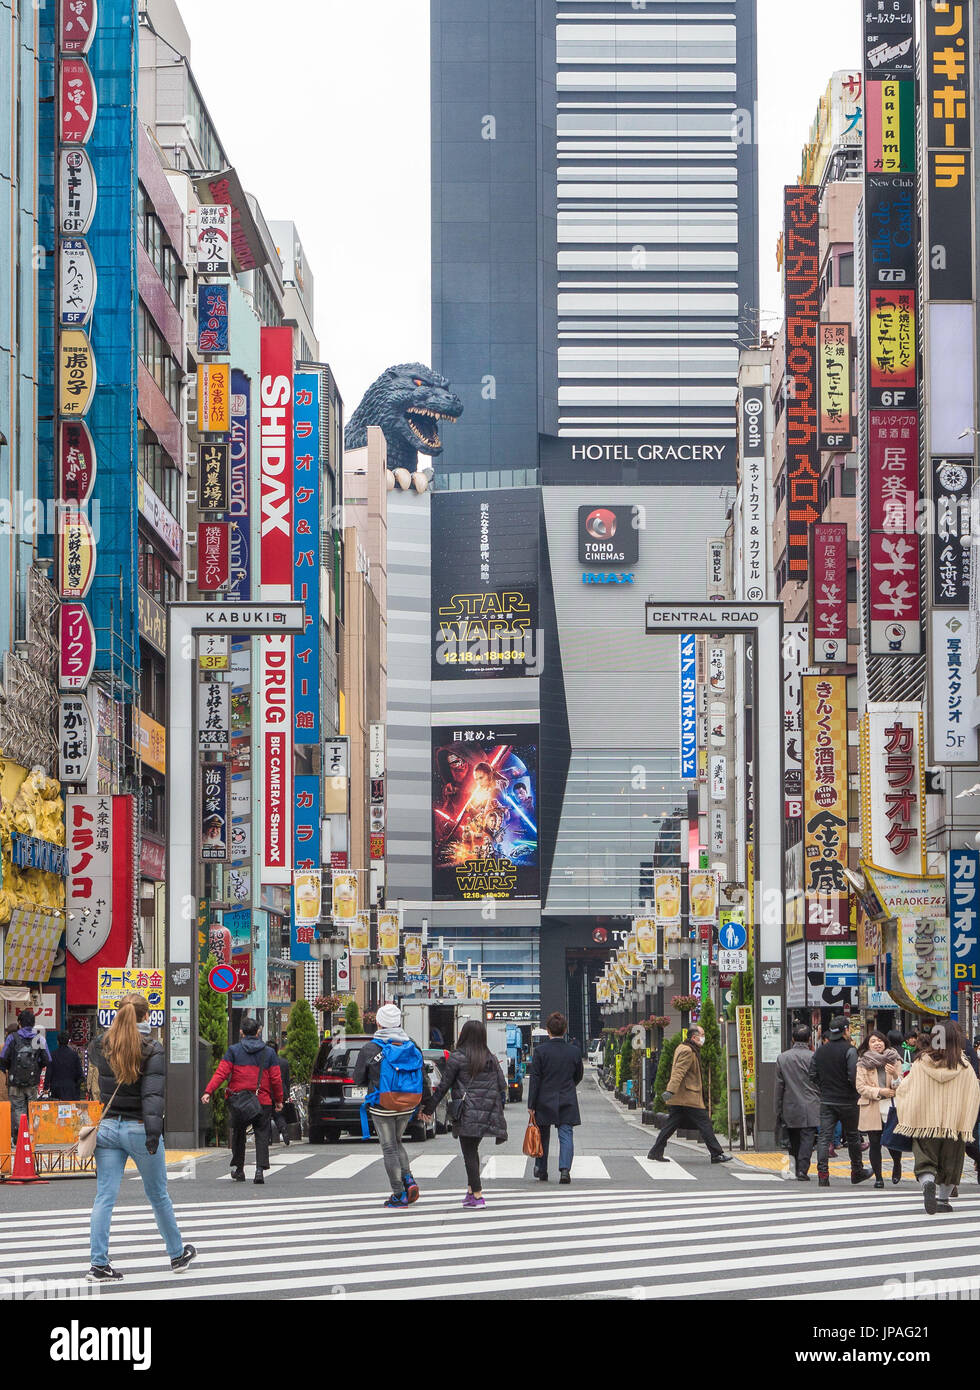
x=437, y=1022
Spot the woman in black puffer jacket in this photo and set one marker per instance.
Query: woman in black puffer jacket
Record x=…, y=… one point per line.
x=132, y=1078
x=480, y=1093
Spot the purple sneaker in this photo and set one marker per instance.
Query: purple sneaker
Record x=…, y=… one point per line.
x=470, y=1201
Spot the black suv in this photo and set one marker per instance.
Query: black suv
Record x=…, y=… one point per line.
x=335, y=1102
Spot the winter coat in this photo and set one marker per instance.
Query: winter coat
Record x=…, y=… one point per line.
x=685, y=1085
x=796, y=1099
x=64, y=1076
x=240, y=1067
x=367, y=1067
x=556, y=1069
x=141, y=1100
x=876, y=1072
x=483, y=1098
x=833, y=1069
x=936, y=1102
x=284, y=1075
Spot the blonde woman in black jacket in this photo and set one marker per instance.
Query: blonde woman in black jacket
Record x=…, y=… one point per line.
x=480, y=1093
x=132, y=1078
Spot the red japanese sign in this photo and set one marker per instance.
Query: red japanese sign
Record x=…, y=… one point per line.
x=828, y=593
x=801, y=264
x=79, y=20
x=893, y=470
x=100, y=891
x=276, y=438
x=213, y=556
x=242, y=966
x=78, y=465
x=77, y=640
x=79, y=103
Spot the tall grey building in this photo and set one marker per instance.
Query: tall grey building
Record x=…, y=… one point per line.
x=594, y=271
x=594, y=219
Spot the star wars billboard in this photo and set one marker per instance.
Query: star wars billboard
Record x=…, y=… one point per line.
x=485, y=814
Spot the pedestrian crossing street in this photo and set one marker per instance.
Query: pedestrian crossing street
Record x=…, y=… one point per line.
x=739, y=1243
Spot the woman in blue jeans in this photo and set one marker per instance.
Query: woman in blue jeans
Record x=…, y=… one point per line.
x=132, y=1075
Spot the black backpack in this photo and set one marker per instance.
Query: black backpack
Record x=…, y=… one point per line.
x=25, y=1063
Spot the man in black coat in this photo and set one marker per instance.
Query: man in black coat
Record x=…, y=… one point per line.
x=64, y=1075
x=833, y=1069
x=556, y=1069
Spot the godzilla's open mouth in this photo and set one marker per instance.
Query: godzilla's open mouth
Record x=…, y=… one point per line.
x=424, y=425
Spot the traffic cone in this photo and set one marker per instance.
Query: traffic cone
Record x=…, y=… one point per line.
x=24, y=1170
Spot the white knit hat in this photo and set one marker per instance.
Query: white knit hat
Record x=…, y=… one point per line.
x=389, y=1016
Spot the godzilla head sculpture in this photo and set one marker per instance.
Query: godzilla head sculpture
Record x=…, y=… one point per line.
x=407, y=402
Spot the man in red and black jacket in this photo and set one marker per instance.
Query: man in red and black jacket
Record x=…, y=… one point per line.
x=250, y=1065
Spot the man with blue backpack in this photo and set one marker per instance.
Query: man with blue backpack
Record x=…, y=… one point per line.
x=393, y=1069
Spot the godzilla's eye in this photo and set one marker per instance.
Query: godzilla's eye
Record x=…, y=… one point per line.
x=419, y=383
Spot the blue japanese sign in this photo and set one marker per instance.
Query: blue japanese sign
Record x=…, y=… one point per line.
x=964, y=910
x=212, y=318
x=306, y=556
x=689, y=707
x=240, y=583
x=306, y=853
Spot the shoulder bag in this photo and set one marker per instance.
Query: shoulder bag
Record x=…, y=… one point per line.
x=88, y=1135
x=245, y=1106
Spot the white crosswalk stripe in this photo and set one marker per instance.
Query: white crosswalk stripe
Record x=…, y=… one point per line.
x=664, y=1172
x=549, y=1242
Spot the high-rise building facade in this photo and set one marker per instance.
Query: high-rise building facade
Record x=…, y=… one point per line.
x=594, y=247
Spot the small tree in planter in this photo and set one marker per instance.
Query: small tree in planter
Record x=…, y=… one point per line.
x=663, y=1070
x=711, y=1059
x=301, y=1043
x=352, y=1018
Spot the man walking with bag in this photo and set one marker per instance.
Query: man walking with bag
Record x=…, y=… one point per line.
x=833, y=1068
x=686, y=1100
x=556, y=1070
x=251, y=1069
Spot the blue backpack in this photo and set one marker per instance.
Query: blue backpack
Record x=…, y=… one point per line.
x=400, y=1081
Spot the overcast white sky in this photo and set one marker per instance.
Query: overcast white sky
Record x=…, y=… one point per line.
x=323, y=106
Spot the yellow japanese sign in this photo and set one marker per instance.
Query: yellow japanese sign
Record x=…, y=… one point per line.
x=213, y=399
x=78, y=374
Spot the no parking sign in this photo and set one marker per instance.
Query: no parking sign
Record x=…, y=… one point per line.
x=222, y=979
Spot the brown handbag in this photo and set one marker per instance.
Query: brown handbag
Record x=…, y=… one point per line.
x=533, y=1147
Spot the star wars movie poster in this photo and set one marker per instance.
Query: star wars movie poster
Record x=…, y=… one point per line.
x=485, y=814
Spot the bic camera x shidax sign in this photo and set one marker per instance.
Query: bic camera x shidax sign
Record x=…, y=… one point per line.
x=608, y=542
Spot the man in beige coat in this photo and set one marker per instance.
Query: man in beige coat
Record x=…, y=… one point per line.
x=685, y=1095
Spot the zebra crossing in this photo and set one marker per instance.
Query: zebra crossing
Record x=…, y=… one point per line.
x=640, y=1243
x=495, y=1167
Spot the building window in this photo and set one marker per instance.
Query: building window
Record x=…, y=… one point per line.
x=845, y=268
x=156, y=576
x=157, y=246
x=266, y=304
x=155, y=466
x=155, y=356
x=848, y=482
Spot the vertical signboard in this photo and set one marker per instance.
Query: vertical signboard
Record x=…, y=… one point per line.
x=948, y=172
x=825, y=805
x=215, y=821
x=954, y=734
x=240, y=583
x=306, y=858
x=952, y=552
x=828, y=593
x=306, y=555
x=754, y=490
x=835, y=387
x=964, y=911
x=890, y=546
x=893, y=786
x=99, y=891
x=212, y=316
x=689, y=706
x=795, y=658
x=276, y=756
x=801, y=265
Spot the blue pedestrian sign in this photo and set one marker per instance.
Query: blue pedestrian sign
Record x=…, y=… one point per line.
x=732, y=936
